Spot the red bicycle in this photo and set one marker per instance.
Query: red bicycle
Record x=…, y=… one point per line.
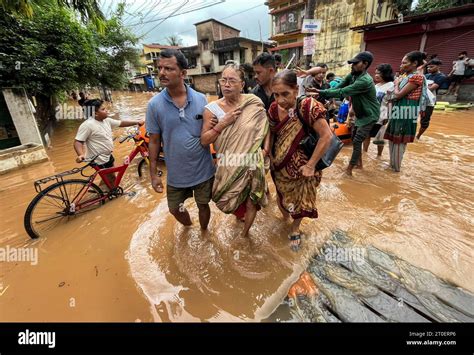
x=64, y=199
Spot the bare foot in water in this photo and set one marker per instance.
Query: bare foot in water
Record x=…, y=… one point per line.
x=295, y=241
x=245, y=235
x=349, y=170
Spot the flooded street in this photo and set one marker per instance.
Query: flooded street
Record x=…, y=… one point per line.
x=129, y=261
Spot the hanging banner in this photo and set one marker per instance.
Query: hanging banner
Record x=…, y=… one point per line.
x=311, y=26
x=309, y=45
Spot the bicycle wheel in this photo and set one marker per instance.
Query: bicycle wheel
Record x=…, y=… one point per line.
x=52, y=206
x=144, y=170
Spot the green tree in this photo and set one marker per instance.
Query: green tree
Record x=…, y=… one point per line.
x=89, y=10
x=174, y=40
x=115, y=47
x=47, y=55
x=403, y=6
x=425, y=6
x=53, y=53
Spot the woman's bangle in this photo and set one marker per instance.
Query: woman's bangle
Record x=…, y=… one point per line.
x=215, y=130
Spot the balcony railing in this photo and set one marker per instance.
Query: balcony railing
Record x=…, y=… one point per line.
x=288, y=27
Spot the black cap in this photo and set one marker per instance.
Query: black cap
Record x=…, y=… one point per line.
x=435, y=61
x=362, y=57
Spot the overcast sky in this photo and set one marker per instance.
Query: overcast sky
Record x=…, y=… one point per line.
x=241, y=14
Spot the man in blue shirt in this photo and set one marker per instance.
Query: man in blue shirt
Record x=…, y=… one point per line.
x=435, y=74
x=174, y=117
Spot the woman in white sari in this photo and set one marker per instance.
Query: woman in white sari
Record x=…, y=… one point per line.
x=239, y=185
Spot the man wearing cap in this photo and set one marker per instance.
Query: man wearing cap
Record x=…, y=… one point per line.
x=360, y=87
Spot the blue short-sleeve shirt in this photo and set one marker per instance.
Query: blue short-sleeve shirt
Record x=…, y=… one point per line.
x=188, y=162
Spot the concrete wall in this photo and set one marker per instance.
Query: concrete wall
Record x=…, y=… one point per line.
x=206, y=83
x=21, y=156
x=251, y=52
x=22, y=115
x=195, y=71
x=222, y=32
x=207, y=58
x=466, y=93
x=337, y=42
x=32, y=150
x=205, y=32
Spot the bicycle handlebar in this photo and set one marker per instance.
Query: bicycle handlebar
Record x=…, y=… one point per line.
x=123, y=139
x=130, y=135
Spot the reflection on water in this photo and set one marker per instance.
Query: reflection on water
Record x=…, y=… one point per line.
x=130, y=261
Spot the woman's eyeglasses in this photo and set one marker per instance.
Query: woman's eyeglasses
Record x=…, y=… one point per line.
x=231, y=81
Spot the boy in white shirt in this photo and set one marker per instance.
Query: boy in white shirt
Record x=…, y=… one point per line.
x=94, y=137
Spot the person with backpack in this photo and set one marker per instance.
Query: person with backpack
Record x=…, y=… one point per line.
x=293, y=171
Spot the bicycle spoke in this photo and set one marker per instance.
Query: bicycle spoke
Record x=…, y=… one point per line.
x=54, y=200
x=53, y=207
x=49, y=219
x=52, y=225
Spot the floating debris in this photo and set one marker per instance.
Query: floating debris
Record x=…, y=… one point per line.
x=347, y=282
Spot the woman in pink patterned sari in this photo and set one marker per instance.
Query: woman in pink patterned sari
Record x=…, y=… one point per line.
x=293, y=172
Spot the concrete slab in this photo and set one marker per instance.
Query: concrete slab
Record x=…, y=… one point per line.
x=21, y=156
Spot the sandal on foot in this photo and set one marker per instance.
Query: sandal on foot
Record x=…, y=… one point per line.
x=296, y=237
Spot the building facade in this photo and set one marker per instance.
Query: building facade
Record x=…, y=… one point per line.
x=285, y=27
x=217, y=43
x=444, y=33
x=336, y=42
x=150, y=53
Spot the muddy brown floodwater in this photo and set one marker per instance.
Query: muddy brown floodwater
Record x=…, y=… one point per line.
x=129, y=260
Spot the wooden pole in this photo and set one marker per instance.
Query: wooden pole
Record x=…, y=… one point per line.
x=309, y=14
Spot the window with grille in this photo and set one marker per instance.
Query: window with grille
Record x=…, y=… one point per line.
x=225, y=56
